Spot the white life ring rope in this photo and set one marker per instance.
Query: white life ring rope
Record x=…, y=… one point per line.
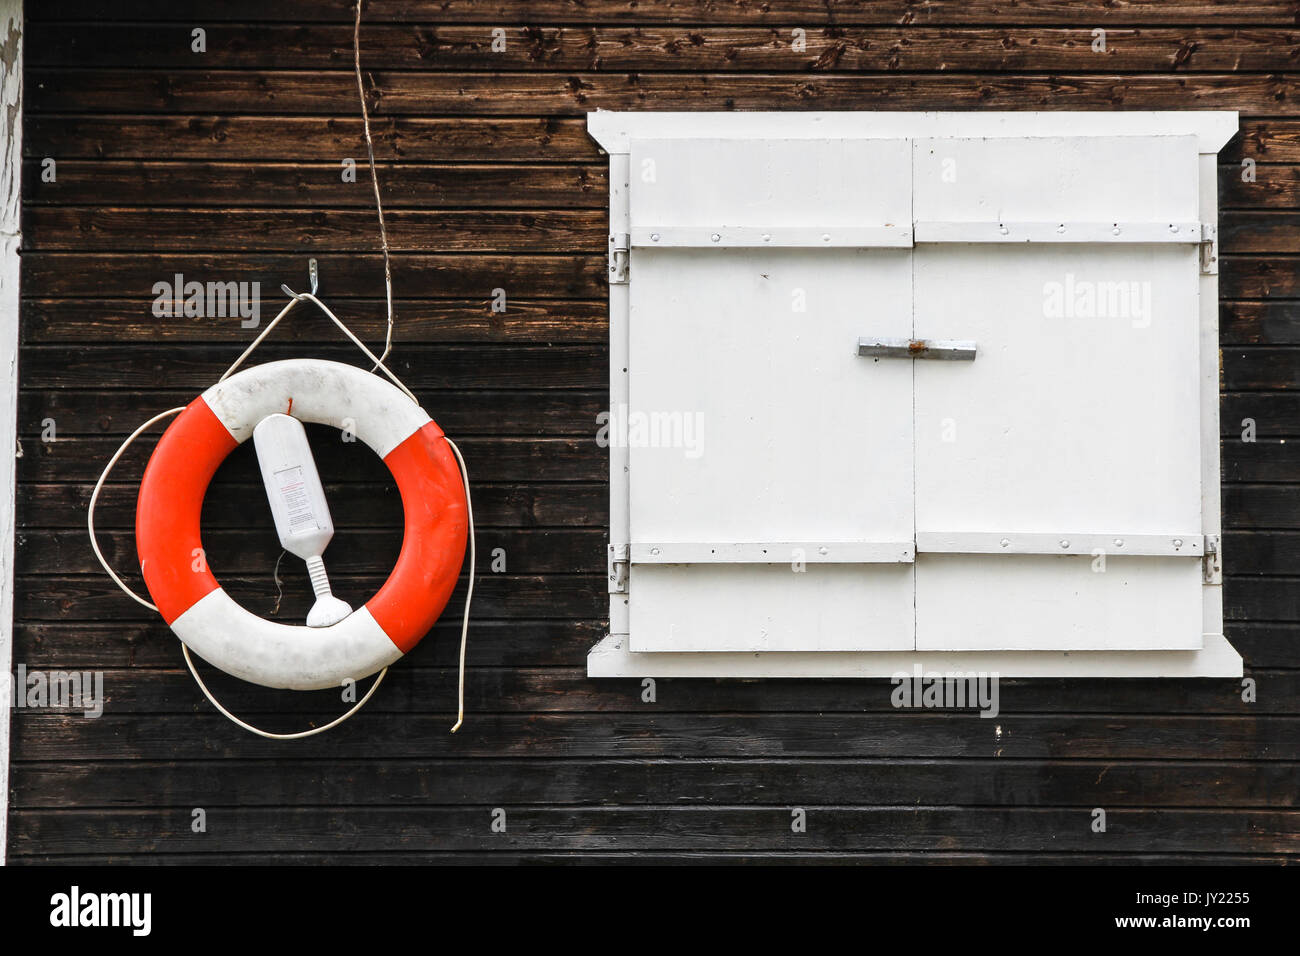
x=295, y=298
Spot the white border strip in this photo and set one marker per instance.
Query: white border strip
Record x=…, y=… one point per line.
x=615, y=130
x=1217, y=658
x=11, y=164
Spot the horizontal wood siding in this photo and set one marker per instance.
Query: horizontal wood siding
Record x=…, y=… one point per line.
x=225, y=166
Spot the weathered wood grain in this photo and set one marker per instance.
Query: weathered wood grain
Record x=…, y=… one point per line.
x=1082, y=12
x=45, y=736
x=738, y=829
x=415, y=689
x=245, y=184
x=437, y=46
x=721, y=782
x=415, y=321
x=530, y=94
x=448, y=231
x=333, y=138
x=450, y=276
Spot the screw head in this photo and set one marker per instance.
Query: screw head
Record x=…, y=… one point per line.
x=1005, y=543
x=654, y=237
x=1178, y=542
x=1065, y=543
x=715, y=237
x=1119, y=542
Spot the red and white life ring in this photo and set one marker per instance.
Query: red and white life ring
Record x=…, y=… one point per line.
x=239, y=642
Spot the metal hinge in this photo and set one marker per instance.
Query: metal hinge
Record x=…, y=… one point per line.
x=1209, y=249
x=1211, y=561
x=619, y=248
x=618, y=562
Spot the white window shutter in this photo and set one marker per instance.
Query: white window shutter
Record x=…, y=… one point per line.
x=897, y=390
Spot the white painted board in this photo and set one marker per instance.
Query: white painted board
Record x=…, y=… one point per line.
x=770, y=428
x=1079, y=415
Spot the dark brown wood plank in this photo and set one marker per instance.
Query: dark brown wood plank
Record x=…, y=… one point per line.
x=677, y=828
x=415, y=321
x=1086, y=13
x=421, y=46
x=1261, y=506
x=1193, y=858
x=411, y=93
x=330, y=139
x=44, y=736
x=82, y=182
x=431, y=367
x=50, y=228
x=93, y=275
x=561, y=782
x=415, y=689
x=1259, y=323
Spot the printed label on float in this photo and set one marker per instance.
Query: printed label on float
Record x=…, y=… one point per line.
x=297, y=503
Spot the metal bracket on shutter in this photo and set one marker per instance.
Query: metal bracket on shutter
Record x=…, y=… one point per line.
x=1066, y=542
x=619, y=254
x=1120, y=233
x=1209, y=249
x=887, y=235
x=1211, y=562
x=618, y=564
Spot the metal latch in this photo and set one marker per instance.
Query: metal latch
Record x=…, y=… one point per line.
x=1209, y=249
x=1211, y=561
x=949, y=350
x=619, y=247
x=618, y=563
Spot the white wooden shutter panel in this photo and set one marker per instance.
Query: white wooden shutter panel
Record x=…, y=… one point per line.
x=1074, y=435
x=754, y=265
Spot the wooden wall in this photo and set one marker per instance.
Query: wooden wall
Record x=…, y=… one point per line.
x=225, y=166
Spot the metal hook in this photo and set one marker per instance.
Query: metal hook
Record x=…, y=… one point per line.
x=313, y=276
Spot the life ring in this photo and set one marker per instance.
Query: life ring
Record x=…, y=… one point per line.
x=199, y=611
